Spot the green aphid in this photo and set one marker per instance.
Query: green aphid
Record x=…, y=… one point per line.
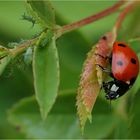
x=29, y=18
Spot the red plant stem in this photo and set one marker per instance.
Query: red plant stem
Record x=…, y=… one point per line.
x=91, y=19
x=22, y=47
x=122, y=16
x=83, y=22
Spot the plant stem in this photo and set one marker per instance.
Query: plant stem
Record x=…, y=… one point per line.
x=122, y=16
x=22, y=47
x=90, y=19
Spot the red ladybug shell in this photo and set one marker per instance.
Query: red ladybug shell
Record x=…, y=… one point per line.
x=125, y=63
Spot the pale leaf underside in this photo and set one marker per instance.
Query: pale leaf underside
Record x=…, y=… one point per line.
x=92, y=77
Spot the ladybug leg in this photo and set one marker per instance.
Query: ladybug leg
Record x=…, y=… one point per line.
x=110, y=58
x=105, y=86
x=106, y=70
x=107, y=57
x=103, y=69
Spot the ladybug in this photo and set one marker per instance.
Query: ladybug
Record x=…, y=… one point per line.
x=124, y=70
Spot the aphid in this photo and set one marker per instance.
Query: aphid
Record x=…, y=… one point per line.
x=29, y=18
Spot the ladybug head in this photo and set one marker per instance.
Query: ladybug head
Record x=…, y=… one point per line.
x=111, y=90
x=112, y=95
x=114, y=89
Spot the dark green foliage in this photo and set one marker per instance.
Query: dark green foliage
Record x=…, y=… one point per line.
x=20, y=111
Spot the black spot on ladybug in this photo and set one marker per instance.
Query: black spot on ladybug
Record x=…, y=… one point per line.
x=121, y=45
x=120, y=63
x=104, y=38
x=133, y=60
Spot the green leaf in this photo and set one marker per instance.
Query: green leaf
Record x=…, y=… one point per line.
x=121, y=129
x=46, y=75
x=5, y=58
x=61, y=121
x=42, y=11
x=12, y=90
x=134, y=117
x=3, y=52
x=4, y=62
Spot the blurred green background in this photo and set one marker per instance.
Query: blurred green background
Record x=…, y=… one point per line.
x=16, y=83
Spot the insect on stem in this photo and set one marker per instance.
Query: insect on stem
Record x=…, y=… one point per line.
x=29, y=18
